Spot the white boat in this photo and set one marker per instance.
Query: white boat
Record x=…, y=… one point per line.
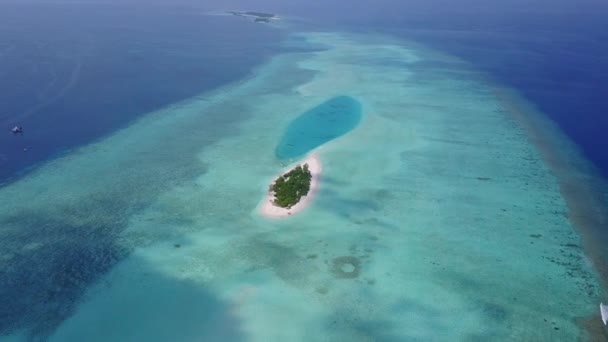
x=604, y=312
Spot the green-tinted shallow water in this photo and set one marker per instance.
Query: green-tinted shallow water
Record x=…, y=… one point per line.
x=436, y=220
x=319, y=125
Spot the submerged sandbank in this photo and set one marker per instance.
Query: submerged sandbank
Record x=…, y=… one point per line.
x=268, y=209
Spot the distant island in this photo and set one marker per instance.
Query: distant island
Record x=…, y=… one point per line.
x=259, y=17
x=293, y=190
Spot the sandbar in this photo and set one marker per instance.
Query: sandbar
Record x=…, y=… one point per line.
x=268, y=209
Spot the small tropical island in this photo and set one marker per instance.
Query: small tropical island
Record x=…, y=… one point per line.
x=292, y=191
x=289, y=188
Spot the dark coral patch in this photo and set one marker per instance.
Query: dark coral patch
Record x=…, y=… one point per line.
x=345, y=267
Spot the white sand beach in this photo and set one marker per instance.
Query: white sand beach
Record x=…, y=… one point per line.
x=269, y=210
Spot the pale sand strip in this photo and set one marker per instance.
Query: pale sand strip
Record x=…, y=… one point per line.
x=269, y=210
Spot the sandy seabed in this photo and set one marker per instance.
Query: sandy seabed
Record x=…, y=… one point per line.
x=268, y=209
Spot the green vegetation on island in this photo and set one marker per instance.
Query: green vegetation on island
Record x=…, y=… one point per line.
x=290, y=187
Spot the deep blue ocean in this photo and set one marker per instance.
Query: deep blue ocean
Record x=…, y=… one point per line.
x=72, y=73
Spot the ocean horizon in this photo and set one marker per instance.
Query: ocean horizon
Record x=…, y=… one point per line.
x=462, y=195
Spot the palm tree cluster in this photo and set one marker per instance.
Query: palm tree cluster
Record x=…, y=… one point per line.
x=290, y=187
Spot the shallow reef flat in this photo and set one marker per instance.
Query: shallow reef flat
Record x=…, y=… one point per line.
x=437, y=217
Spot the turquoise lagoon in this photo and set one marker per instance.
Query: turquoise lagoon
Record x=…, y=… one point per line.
x=437, y=218
x=315, y=127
